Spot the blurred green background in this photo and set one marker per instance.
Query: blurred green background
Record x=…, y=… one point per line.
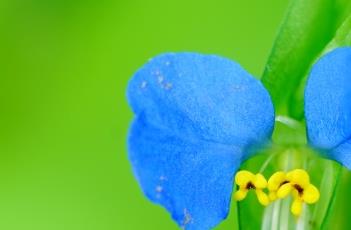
x=64, y=118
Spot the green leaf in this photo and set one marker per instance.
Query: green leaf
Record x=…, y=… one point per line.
x=307, y=28
x=342, y=37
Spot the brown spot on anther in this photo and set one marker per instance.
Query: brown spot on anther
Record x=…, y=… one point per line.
x=283, y=183
x=250, y=186
x=299, y=189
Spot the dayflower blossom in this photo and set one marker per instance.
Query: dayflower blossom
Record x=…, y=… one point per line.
x=198, y=117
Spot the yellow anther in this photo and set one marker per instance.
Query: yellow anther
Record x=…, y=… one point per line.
x=296, y=182
x=311, y=194
x=272, y=196
x=259, y=181
x=295, y=193
x=262, y=197
x=240, y=194
x=284, y=190
x=246, y=181
x=296, y=207
x=280, y=185
x=304, y=191
x=298, y=176
x=276, y=180
x=243, y=177
x=274, y=183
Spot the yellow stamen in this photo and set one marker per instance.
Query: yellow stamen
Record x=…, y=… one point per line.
x=243, y=177
x=274, y=183
x=276, y=180
x=296, y=207
x=284, y=190
x=262, y=197
x=246, y=181
x=260, y=181
x=240, y=194
x=280, y=185
x=296, y=182
x=311, y=194
x=272, y=196
x=298, y=176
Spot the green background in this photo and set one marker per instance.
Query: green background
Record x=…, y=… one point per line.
x=64, y=116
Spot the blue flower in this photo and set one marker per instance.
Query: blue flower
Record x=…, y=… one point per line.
x=198, y=117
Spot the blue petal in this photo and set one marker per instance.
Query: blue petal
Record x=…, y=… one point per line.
x=192, y=179
x=197, y=118
x=328, y=105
